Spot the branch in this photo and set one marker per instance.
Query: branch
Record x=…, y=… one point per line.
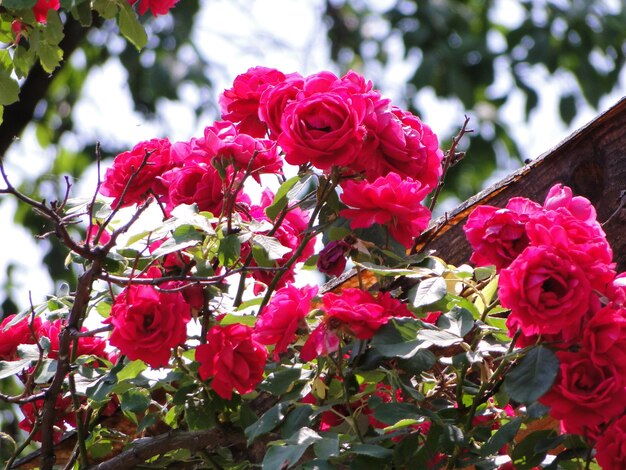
x=209, y=440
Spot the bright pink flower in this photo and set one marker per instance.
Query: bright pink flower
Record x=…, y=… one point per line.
x=332, y=259
x=498, y=236
x=321, y=342
x=604, y=336
x=561, y=197
x=279, y=321
x=233, y=358
x=547, y=292
x=323, y=129
x=355, y=311
x=389, y=201
x=586, y=392
x=392, y=306
x=584, y=241
x=274, y=100
x=240, y=104
x=397, y=141
x=616, y=290
x=156, y=7
x=611, y=446
x=148, y=324
x=20, y=333
x=41, y=9
x=87, y=345
x=244, y=152
x=64, y=417
x=129, y=163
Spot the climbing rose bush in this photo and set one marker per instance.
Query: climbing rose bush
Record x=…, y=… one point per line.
x=193, y=336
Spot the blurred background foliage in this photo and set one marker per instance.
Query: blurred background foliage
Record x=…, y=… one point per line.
x=475, y=54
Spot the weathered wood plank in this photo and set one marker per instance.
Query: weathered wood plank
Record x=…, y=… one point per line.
x=592, y=161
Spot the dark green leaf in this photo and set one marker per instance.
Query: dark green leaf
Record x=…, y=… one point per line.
x=296, y=419
x=533, y=376
x=283, y=456
x=199, y=416
x=525, y=455
x=135, y=400
x=391, y=413
x=281, y=381
x=459, y=321
x=439, y=338
x=327, y=447
x=54, y=28
x=503, y=436
x=369, y=450
x=10, y=368
x=19, y=4
x=267, y=422
x=131, y=370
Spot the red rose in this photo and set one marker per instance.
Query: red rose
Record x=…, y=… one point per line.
x=233, y=358
x=11, y=338
x=355, y=311
x=604, y=336
x=157, y=7
x=278, y=322
x=546, y=291
x=64, y=417
x=240, y=104
x=87, y=345
x=332, y=258
x=390, y=201
x=324, y=129
x=586, y=393
x=321, y=342
x=498, y=236
x=41, y=9
x=397, y=141
x=127, y=164
x=148, y=324
x=611, y=446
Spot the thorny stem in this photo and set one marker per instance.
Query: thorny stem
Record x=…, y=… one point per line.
x=23, y=446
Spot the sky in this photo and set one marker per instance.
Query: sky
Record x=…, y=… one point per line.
x=235, y=35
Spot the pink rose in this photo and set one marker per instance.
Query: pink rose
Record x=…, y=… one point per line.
x=12, y=337
x=127, y=164
x=355, y=311
x=156, y=7
x=275, y=99
x=546, y=291
x=233, y=358
x=389, y=201
x=604, y=336
x=498, y=236
x=87, y=345
x=561, y=197
x=240, y=104
x=324, y=129
x=148, y=324
x=321, y=342
x=611, y=446
x=279, y=321
x=397, y=141
x=585, y=393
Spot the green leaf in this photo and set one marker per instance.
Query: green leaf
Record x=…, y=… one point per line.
x=503, y=436
x=131, y=370
x=296, y=419
x=438, y=338
x=281, y=199
x=272, y=247
x=199, y=417
x=130, y=27
x=427, y=292
x=525, y=455
x=7, y=444
x=19, y=4
x=82, y=12
x=69, y=4
x=50, y=56
x=458, y=321
x=53, y=33
x=281, y=381
x=9, y=89
x=283, y=456
x=391, y=413
x=135, y=400
x=267, y=422
x=230, y=319
x=533, y=376
x=10, y=368
x=230, y=250
x=46, y=371
x=385, y=271
x=369, y=450
x=327, y=447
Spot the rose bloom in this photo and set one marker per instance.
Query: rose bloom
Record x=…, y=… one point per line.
x=604, y=336
x=332, y=259
x=498, y=236
x=324, y=129
x=240, y=104
x=397, y=141
x=561, y=197
x=585, y=242
x=64, y=417
x=390, y=201
x=41, y=8
x=321, y=342
x=87, y=345
x=585, y=393
x=280, y=319
x=275, y=99
x=232, y=358
x=148, y=324
x=156, y=7
x=11, y=338
x=546, y=291
x=611, y=446
x=126, y=164
x=355, y=311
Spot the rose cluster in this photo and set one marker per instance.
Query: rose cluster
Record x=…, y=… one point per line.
x=559, y=282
